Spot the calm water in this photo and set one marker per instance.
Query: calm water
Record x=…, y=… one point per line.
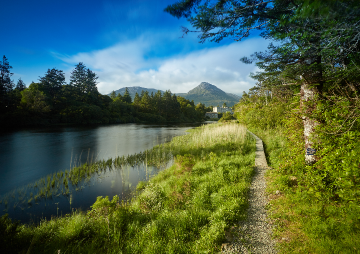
x=26, y=156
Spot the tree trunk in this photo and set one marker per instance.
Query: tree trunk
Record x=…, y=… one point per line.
x=308, y=94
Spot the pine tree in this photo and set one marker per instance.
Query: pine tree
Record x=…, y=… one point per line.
x=85, y=81
x=90, y=82
x=126, y=96
x=137, y=99
x=145, y=102
x=6, y=84
x=113, y=95
x=20, y=85
x=52, y=82
x=78, y=77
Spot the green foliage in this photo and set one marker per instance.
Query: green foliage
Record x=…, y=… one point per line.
x=126, y=97
x=141, y=185
x=11, y=240
x=315, y=207
x=260, y=115
x=34, y=100
x=103, y=206
x=51, y=101
x=227, y=117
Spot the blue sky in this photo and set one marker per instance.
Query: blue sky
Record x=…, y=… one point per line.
x=125, y=42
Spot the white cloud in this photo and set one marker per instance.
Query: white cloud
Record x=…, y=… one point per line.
x=126, y=64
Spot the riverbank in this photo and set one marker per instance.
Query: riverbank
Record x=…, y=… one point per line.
x=186, y=208
x=35, y=155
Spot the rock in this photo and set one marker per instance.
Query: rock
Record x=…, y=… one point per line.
x=224, y=246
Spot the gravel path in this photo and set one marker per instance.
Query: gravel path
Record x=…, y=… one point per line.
x=254, y=234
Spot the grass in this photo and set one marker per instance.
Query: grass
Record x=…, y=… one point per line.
x=305, y=221
x=186, y=208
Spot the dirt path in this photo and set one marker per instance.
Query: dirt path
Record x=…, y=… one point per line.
x=254, y=234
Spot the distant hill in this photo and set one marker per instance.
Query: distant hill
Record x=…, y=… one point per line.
x=135, y=89
x=205, y=93
x=235, y=96
x=209, y=94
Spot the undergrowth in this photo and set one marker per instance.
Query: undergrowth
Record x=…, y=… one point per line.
x=315, y=208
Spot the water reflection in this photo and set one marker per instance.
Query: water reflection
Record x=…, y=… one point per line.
x=26, y=156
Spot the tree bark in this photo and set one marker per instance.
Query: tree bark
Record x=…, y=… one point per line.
x=308, y=93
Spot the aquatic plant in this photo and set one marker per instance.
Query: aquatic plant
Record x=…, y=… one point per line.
x=63, y=182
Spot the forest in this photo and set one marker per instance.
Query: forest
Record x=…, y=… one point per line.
x=52, y=101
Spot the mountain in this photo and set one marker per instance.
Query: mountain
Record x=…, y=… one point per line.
x=235, y=96
x=205, y=93
x=209, y=94
x=135, y=89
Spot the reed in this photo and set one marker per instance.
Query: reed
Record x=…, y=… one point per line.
x=64, y=182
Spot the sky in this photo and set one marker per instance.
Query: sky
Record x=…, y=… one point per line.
x=125, y=42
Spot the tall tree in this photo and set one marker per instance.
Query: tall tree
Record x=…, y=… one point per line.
x=90, y=82
x=78, y=77
x=6, y=84
x=52, y=83
x=137, y=99
x=84, y=79
x=113, y=95
x=126, y=97
x=306, y=31
x=20, y=85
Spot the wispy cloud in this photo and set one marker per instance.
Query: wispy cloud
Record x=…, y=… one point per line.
x=128, y=64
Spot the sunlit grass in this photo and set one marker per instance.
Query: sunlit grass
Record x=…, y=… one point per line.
x=305, y=223
x=186, y=208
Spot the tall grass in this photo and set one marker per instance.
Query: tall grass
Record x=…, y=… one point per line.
x=186, y=208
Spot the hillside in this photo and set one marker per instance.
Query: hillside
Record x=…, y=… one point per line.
x=209, y=94
x=205, y=93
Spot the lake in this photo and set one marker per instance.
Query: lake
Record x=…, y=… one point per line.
x=28, y=155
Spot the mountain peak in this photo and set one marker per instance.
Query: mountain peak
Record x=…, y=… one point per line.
x=210, y=95
x=206, y=85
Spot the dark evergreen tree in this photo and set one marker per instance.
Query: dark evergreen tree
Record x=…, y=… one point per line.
x=90, y=82
x=113, y=95
x=146, y=102
x=6, y=84
x=119, y=97
x=158, y=102
x=137, y=99
x=20, y=85
x=52, y=83
x=78, y=77
x=126, y=96
x=166, y=104
x=85, y=81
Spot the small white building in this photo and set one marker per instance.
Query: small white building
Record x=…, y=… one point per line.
x=222, y=110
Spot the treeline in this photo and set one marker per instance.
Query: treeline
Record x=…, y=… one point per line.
x=53, y=101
